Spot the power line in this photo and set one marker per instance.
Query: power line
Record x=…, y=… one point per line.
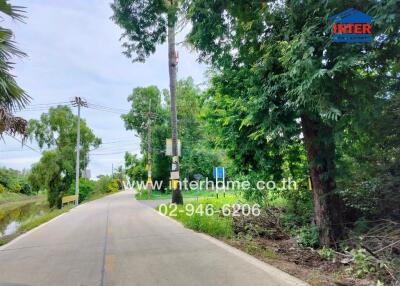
x=46, y=104
x=24, y=144
x=108, y=107
x=114, y=153
x=117, y=141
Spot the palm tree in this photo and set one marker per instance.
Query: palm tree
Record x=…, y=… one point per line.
x=12, y=97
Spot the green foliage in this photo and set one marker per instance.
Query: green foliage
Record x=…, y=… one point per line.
x=216, y=225
x=55, y=171
x=327, y=253
x=2, y=189
x=287, y=83
x=299, y=208
x=86, y=188
x=363, y=263
x=113, y=186
x=144, y=100
x=157, y=195
x=102, y=184
x=307, y=236
x=135, y=168
x=106, y=184
x=14, y=181
x=369, y=163
x=12, y=96
x=144, y=25
x=197, y=156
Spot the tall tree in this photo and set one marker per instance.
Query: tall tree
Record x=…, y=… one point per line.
x=137, y=119
x=147, y=24
x=55, y=171
x=12, y=97
x=285, y=49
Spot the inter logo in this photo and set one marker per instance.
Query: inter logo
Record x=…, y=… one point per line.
x=351, y=26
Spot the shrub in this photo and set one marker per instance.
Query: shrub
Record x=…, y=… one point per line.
x=363, y=263
x=307, y=236
x=86, y=187
x=2, y=189
x=327, y=253
x=101, y=184
x=26, y=188
x=113, y=186
x=17, y=188
x=105, y=184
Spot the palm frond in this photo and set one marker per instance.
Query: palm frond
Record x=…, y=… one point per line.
x=12, y=97
x=15, y=12
x=12, y=124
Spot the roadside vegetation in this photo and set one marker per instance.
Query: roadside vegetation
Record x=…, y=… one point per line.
x=270, y=237
x=196, y=218
x=166, y=194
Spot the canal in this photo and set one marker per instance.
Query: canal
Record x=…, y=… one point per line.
x=12, y=216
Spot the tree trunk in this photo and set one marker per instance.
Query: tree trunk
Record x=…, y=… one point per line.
x=320, y=147
x=176, y=192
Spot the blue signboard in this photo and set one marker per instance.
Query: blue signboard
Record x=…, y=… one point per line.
x=219, y=172
x=351, y=26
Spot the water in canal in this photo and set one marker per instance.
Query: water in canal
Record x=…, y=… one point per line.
x=12, y=218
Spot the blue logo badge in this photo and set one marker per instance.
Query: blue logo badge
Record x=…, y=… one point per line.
x=351, y=26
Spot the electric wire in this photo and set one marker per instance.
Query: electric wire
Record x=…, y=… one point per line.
x=24, y=144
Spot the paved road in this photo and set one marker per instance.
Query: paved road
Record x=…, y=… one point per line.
x=117, y=240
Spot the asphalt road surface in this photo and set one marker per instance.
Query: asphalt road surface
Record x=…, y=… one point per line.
x=117, y=240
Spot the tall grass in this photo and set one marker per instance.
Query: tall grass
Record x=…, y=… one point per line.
x=215, y=225
x=157, y=195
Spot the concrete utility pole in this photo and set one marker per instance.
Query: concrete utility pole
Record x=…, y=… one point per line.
x=149, y=153
x=78, y=102
x=173, y=63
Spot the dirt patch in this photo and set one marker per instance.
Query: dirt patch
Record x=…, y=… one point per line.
x=266, y=224
x=303, y=263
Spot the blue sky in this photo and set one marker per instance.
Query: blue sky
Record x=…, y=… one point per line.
x=74, y=50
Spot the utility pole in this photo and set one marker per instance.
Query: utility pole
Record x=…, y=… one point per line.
x=78, y=102
x=173, y=62
x=149, y=153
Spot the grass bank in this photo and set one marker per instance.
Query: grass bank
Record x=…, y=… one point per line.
x=36, y=221
x=193, y=215
x=10, y=199
x=157, y=195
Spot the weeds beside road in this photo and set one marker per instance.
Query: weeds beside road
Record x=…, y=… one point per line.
x=157, y=195
x=263, y=237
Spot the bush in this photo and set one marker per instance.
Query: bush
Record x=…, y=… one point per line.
x=2, y=189
x=105, y=184
x=86, y=187
x=14, y=181
x=101, y=185
x=364, y=264
x=327, y=253
x=113, y=186
x=26, y=188
x=307, y=236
